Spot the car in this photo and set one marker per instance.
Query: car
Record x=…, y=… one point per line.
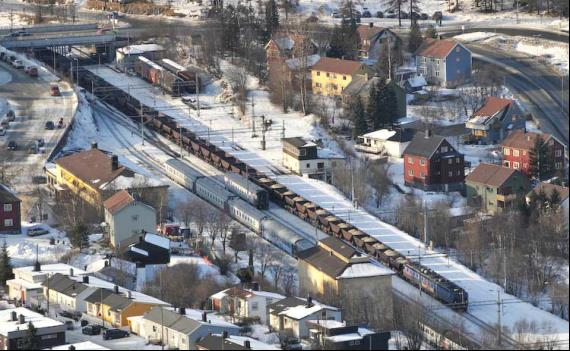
x=2, y=131
x=33, y=148
x=54, y=90
x=32, y=71
x=404, y=15
x=414, y=15
x=5, y=123
x=11, y=116
x=437, y=15
x=12, y=146
x=336, y=15
x=37, y=232
x=110, y=334
x=18, y=64
x=40, y=142
x=391, y=14
x=50, y=125
x=379, y=14
x=69, y=325
x=366, y=14
x=424, y=16
x=91, y=329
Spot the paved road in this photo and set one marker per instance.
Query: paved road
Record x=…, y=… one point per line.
x=33, y=105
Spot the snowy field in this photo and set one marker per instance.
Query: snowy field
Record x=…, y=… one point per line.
x=14, y=20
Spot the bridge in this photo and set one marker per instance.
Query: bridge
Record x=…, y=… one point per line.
x=50, y=28
x=63, y=40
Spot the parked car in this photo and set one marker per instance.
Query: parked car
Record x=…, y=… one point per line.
x=32, y=71
x=41, y=142
x=11, y=116
x=335, y=15
x=110, y=334
x=5, y=123
x=366, y=14
x=50, y=125
x=12, y=146
x=404, y=15
x=91, y=329
x=18, y=64
x=2, y=131
x=424, y=16
x=379, y=14
x=69, y=325
x=437, y=15
x=391, y=14
x=37, y=232
x=54, y=90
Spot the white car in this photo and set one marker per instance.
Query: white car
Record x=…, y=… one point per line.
x=18, y=64
x=2, y=131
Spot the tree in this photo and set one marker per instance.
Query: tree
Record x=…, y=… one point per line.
x=344, y=39
x=431, y=32
x=78, y=235
x=185, y=211
x=30, y=341
x=359, y=117
x=397, y=6
x=271, y=17
x=390, y=58
x=539, y=163
x=5, y=265
x=415, y=39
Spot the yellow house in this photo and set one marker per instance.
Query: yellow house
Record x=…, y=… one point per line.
x=329, y=76
x=116, y=308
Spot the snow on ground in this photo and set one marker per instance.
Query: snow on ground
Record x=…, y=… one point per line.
x=7, y=20
x=5, y=77
x=207, y=269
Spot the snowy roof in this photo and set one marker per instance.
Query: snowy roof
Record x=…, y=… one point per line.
x=51, y=269
x=150, y=63
x=157, y=240
x=295, y=63
x=327, y=153
x=285, y=43
x=86, y=345
x=329, y=324
x=38, y=320
x=139, y=251
x=350, y=336
x=214, y=342
x=24, y=284
x=363, y=270
x=417, y=82
x=173, y=64
x=7, y=195
x=124, y=182
x=140, y=49
x=382, y=134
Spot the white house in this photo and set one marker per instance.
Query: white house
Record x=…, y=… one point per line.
x=306, y=159
x=386, y=142
x=291, y=314
x=244, y=303
x=14, y=323
x=125, y=216
x=548, y=189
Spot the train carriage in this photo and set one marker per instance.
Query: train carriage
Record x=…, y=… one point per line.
x=247, y=190
x=182, y=173
x=213, y=192
x=369, y=243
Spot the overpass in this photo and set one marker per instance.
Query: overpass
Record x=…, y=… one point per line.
x=52, y=41
x=50, y=28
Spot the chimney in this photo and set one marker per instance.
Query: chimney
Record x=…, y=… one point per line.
x=71, y=272
x=309, y=301
x=246, y=343
x=94, y=145
x=85, y=279
x=428, y=133
x=182, y=311
x=116, y=289
x=141, y=239
x=14, y=316
x=114, y=162
x=204, y=316
x=37, y=266
x=371, y=24
x=22, y=319
x=255, y=286
x=224, y=334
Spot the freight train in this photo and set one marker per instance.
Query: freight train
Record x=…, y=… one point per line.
x=156, y=74
x=430, y=281
x=191, y=79
x=240, y=210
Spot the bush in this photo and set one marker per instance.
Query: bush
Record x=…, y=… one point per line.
x=245, y=275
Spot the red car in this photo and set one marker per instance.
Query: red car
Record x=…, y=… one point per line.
x=54, y=90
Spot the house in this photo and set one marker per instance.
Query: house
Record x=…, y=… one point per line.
x=330, y=76
x=388, y=142
x=244, y=303
x=306, y=159
x=14, y=323
x=334, y=335
x=518, y=151
x=26, y=286
x=115, y=306
x=85, y=345
x=10, y=217
x=94, y=176
x=289, y=316
x=127, y=55
x=495, y=188
x=283, y=46
x=232, y=342
x=125, y=216
x=415, y=84
x=66, y=293
x=373, y=39
x=432, y=164
x=362, y=88
x=547, y=189
x=444, y=62
x=496, y=119
x=337, y=274
x=180, y=328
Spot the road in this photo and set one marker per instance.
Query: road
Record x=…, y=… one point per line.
x=31, y=101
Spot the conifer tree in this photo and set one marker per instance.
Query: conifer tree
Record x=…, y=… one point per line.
x=359, y=116
x=5, y=265
x=415, y=39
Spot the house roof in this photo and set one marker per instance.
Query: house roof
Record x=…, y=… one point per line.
x=436, y=48
x=232, y=342
x=491, y=175
x=98, y=295
x=401, y=135
x=548, y=188
x=424, y=146
x=324, y=261
x=329, y=64
x=367, y=32
x=117, y=302
x=186, y=323
x=118, y=201
x=310, y=61
x=298, y=142
x=93, y=167
x=38, y=320
x=6, y=195
x=64, y=285
x=417, y=81
x=302, y=310
x=339, y=246
x=493, y=106
x=523, y=140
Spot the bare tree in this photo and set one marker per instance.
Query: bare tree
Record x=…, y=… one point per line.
x=379, y=181
x=185, y=212
x=263, y=256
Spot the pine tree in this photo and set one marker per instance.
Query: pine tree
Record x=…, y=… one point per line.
x=271, y=17
x=344, y=40
x=359, y=117
x=431, y=32
x=5, y=265
x=554, y=198
x=372, y=108
x=78, y=235
x=415, y=38
x=30, y=341
x=538, y=163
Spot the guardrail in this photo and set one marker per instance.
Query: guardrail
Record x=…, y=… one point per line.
x=50, y=28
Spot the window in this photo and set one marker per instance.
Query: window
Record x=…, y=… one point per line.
x=507, y=164
x=450, y=174
x=525, y=165
x=7, y=207
x=318, y=73
x=558, y=165
x=458, y=59
x=443, y=149
x=516, y=153
x=516, y=165
x=458, y=160
x=254, y=306
x=410, y=172
x=551, y=142
x=328, y=75
x=343, y=77
x=318, y=85
x=308, y=165
x=524, y=152
x=154, y=328
x=411, y=160
x=450, y=161
x=320, y=165
x=458, y=173
x=437, y=73
x=8, y=222
x=423, y=162
x=507, y=151
x=557, y=153
x=422, y=175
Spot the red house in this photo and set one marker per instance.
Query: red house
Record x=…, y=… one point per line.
x=432, y=164
x=10, y=221
x=518, y=151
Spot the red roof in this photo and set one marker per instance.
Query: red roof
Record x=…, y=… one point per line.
x=523, y=140
x=328, y=64
x=118, y=201
x=549, y=189
x=492, y=106
x=366, y=32
x=437, y=48
x=489, y=174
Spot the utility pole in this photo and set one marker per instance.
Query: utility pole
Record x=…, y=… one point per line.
x=420, y=262
x=198, y=94
x=142, y=124
x=263, y=132
x=283, y=129
x=499, y=322
x=180, y=139
x=426, y=242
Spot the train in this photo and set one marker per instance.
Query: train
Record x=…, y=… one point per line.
x=191, y=79
x=247, y=190
x=156, y=74
x=430, y=281
x=242, y=211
